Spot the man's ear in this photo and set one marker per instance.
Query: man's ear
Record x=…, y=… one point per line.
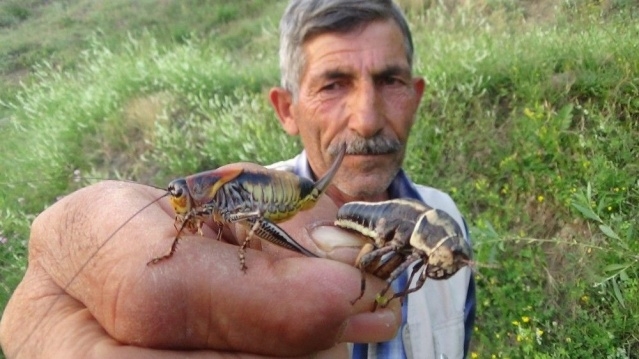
x=419, y=85
x=282, y=102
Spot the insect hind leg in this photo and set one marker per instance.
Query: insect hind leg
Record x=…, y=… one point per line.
x=267, y=230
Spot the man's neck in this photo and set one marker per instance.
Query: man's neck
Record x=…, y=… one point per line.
x=340, y=198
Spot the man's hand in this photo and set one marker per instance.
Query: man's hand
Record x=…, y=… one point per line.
x=89, y=293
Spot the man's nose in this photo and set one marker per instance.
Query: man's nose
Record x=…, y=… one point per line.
x=366, y=117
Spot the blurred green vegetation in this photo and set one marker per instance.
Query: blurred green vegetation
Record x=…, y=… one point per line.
x=530, y=121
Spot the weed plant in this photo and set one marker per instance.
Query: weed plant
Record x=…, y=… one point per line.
x=530, y=121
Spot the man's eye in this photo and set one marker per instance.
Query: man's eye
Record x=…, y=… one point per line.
x=332, y=86
x=390, y=81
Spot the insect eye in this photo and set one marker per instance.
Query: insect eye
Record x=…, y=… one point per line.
x=176, y=188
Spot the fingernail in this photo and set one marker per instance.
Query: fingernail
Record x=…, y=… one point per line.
x=380, y=325
x=329, y=238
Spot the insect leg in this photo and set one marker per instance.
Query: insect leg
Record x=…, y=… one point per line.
x=242, y=250
x=402, y=294
x=410, y=280
x=381, y=299
x=418, y=285
x=366, y=249
x=253, y=218
x=191, y=221
x=173, y=246
x=269, y=231
x=365, y=261
x=241, y=216
x=220, y=227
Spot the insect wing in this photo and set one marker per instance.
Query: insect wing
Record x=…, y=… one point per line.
x=204, y=185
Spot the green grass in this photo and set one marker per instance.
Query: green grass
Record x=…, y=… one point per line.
x=530, y=121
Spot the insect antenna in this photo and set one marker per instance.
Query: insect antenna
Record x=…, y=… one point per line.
x=77, y=177
x=474, y=265
x=113, y=234
x=79, y=271
x=148, y=185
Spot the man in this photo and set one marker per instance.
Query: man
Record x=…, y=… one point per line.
x=346, y=79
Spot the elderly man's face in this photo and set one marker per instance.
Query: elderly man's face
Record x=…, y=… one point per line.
x=357, y=89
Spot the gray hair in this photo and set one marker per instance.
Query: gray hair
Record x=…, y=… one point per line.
x=304, y=19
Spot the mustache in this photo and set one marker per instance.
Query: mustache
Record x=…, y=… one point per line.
x=378, y=145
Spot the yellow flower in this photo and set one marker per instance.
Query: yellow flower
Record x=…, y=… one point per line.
x=528, y=113
x=515, y=322
x=519, y=338
x=474, y=355
x=540, y=198
x=540, y=332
